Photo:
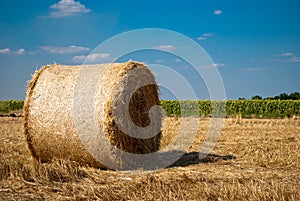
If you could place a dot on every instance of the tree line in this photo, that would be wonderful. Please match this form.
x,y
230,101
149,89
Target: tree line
x,y
282,96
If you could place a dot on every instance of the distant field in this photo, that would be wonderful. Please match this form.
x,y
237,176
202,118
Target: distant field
x,y
206,108
10,105
255,159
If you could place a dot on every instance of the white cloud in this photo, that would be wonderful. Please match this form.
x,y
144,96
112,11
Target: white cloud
x,y
66,8
252,69
97,57
5,51
287,57
79,58
166,47
20,51
294,60
177,60
159,61
287,54
201,38
214,65
204,36
65,50
9,51
207,34
217,65
218,12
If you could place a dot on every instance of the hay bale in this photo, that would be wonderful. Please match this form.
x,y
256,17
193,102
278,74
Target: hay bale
x,y
53,119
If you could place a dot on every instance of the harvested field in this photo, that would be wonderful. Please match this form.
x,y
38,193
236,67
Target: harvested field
x,y
255,159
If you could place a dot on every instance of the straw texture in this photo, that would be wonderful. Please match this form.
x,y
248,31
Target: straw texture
x,y
50,112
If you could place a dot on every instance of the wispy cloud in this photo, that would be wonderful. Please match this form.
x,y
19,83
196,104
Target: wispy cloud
x,y
66,8
201,38
287,57
166,47
207,34
204,36
252,69
177,60
65,50
97,57
5,51
217,65
218,12
214,65
294,60
20,51
79,58
9,51
286,54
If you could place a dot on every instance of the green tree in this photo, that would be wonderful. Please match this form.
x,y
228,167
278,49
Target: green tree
x,y
282,96
256,97
294,96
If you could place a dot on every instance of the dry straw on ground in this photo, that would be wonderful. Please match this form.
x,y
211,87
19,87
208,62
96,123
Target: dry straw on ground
x,y
255,159
57,108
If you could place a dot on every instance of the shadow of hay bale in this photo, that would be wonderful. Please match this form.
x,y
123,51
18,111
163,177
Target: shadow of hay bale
x,y
176,158
193,158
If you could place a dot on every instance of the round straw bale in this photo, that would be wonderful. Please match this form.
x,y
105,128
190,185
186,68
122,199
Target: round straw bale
x,y
59,113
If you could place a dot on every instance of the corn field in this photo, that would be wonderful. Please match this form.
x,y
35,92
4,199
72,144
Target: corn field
x,y
230,108
206,108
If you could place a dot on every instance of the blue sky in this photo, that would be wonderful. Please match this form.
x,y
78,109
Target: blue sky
x,y
254,44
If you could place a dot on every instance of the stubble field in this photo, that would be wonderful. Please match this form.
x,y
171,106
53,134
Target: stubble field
x,y
254,159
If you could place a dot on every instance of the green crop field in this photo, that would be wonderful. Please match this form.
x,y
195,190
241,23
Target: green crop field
x,y
206,108
231,108
10,105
